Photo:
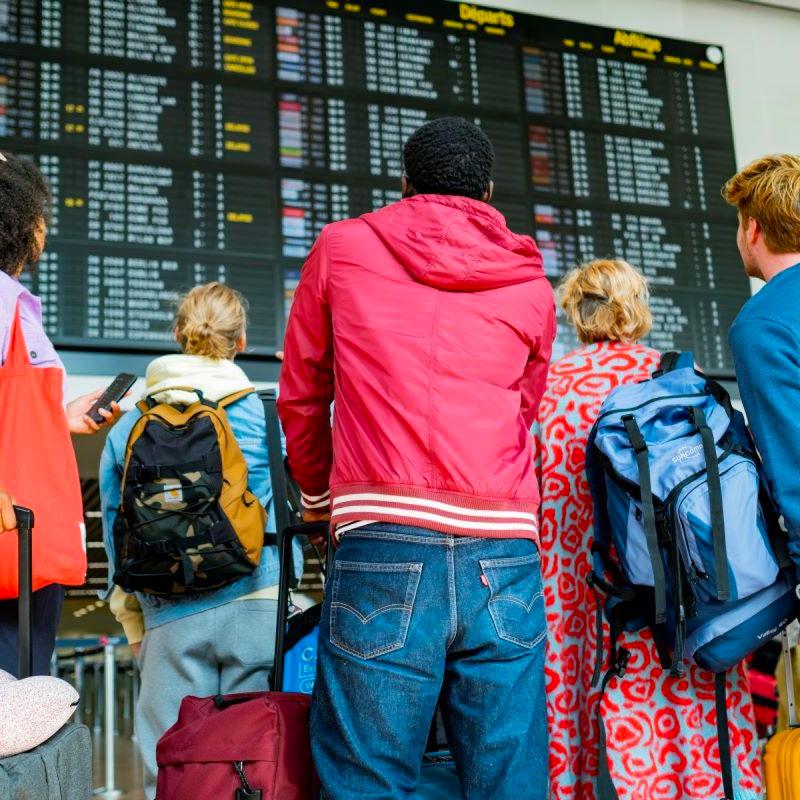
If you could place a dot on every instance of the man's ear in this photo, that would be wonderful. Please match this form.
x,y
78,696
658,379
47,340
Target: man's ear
x,y
753,230
241,345
406,187
487,198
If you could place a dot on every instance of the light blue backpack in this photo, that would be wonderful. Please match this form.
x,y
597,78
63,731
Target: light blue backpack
x,y
687,542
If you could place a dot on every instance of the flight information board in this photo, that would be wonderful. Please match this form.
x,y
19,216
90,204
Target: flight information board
x,y
196,140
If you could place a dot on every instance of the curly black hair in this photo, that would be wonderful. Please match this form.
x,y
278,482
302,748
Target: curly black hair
x,y
24,204
449,156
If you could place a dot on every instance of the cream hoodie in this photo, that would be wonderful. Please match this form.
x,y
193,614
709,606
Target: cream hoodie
x,y
214,377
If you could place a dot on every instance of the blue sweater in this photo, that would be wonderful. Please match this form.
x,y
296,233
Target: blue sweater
x,y
765,339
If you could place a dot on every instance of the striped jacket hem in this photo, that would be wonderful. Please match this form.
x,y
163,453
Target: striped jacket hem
x,y
446,512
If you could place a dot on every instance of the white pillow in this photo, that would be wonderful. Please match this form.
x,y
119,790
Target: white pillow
x,y
32,710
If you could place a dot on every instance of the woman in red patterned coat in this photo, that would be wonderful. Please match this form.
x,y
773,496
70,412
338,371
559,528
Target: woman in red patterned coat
x,y
662,742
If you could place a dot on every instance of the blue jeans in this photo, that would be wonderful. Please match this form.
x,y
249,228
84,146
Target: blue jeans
x,y
411,614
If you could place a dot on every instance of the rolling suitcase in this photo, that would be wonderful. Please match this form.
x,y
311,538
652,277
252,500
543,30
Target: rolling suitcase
x,y
61,767
782,754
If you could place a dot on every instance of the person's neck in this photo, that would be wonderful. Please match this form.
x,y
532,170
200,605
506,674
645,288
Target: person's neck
x,y
777,263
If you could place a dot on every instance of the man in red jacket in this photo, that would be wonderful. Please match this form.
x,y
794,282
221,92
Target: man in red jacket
x,y
431,325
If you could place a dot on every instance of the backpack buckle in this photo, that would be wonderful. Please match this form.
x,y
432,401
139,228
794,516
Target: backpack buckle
x,y
620,665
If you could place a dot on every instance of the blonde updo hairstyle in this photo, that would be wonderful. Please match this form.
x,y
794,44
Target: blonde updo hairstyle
x,y
607,300
211,321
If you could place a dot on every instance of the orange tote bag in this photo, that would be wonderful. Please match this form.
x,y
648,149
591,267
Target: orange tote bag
x,y
38,468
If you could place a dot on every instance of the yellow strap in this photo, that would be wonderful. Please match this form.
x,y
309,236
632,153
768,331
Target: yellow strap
x,y
230,399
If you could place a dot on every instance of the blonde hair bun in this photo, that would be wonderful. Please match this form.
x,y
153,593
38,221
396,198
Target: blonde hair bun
x,y
211,321
607,300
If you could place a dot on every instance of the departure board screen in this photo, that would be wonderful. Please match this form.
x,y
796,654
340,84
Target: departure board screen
x,y
196,140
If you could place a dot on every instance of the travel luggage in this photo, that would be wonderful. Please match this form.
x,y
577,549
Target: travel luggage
x,y
687,540
61,766
782,754
187,520
252,745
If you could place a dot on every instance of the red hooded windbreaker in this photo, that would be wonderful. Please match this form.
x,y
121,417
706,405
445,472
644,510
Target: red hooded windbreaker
x,y
431,325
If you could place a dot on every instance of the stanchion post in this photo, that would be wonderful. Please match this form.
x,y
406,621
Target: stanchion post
x,y
98,698
135,696
79,687
127,693
110,790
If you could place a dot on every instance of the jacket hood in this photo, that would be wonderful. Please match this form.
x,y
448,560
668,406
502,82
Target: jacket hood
x,y
215,378
455,243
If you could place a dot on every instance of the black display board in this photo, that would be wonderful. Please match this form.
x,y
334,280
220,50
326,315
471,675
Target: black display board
x,y
191,140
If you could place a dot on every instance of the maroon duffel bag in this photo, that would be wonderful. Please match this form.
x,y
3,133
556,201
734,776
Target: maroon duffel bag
x,y
233,746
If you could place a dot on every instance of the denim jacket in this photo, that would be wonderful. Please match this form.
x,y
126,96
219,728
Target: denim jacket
x,y
246,418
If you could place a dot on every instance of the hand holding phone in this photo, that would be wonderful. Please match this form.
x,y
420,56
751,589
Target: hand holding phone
x,y
118,388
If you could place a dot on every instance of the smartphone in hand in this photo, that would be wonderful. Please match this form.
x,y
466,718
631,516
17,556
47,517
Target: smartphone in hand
x,y
118,388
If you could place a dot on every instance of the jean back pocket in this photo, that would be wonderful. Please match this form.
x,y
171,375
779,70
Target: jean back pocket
x,y
371,606
516,603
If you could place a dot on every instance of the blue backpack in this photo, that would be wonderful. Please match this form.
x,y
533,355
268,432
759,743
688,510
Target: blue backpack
x,y
687,542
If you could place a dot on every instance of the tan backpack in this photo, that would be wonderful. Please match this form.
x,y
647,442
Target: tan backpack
x,y
187,520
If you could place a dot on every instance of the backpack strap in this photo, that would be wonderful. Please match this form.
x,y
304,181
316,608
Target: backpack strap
x,y
602,563
651,534
230,399
674,360
619,664
616,589
698,418
723,736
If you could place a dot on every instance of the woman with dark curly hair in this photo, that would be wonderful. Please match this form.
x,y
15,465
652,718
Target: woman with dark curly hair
x,y
24,213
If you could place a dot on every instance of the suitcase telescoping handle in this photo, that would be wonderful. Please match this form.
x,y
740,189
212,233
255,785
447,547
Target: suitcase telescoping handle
x,y
25,545
288,529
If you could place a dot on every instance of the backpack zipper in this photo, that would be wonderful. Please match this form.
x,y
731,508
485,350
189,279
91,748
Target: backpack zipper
x,y
246,792
650,402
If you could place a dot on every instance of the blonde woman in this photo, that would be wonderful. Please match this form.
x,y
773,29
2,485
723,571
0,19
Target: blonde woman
x,y
220,641
662,740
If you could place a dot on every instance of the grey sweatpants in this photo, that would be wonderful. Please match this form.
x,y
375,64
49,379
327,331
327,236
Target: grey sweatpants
x,y
223,650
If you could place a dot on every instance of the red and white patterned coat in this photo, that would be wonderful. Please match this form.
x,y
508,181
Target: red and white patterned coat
x,y
662,740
